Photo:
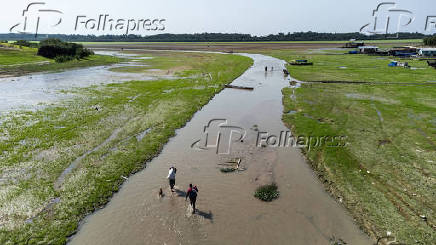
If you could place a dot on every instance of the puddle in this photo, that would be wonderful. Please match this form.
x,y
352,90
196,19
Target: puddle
x,y
291,112
226,206
343,67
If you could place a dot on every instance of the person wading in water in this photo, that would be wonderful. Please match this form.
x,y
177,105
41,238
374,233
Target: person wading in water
x,y
172,177
192,194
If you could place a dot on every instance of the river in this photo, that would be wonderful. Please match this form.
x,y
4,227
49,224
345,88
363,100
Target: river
x,y
228,213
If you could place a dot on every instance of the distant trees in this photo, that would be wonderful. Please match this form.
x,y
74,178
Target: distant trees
x,y
53,48
24,43
216,37
430,41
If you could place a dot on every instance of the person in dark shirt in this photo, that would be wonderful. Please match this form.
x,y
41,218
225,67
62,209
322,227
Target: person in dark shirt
x,y
192,194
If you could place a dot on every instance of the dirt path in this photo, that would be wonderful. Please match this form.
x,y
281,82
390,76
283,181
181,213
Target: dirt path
x,y
227,211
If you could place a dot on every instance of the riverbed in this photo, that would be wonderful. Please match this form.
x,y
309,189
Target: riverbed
x,y
228,213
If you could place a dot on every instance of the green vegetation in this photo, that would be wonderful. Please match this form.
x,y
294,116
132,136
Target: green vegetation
x,y
113,130
430,41
16,61
62,51
24,43
167,63
205,43
219,37
12,55
386,174
267,193
334,65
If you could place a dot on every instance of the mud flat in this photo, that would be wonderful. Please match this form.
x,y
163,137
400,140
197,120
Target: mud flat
x,y
228,213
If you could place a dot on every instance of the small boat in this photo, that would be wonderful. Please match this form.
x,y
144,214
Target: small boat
x,y
300,63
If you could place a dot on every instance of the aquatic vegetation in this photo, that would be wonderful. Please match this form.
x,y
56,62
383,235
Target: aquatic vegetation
x,y
267,193
108,132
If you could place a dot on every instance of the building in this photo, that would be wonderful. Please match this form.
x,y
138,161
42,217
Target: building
x,y
428,52
405,51
368,49
353,44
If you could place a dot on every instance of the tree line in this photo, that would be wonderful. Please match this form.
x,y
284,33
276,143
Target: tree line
x,y
430,41
211,37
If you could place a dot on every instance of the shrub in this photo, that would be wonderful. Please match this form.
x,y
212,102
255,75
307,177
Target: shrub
x,y
267,193
63,58
53,48
24,43
430,41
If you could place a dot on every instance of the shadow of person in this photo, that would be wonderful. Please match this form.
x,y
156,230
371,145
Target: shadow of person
x,y
180,193
205,215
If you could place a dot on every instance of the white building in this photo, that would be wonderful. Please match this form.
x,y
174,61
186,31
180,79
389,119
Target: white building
x,y
368,49
427,52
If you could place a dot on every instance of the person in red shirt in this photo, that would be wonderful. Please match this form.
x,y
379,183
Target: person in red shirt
x,y
192,194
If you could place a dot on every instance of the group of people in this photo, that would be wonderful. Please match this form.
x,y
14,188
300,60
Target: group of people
x,y
192,191
266,68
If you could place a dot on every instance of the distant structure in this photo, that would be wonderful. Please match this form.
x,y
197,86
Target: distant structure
x,y
354,44
368,49
427,52
404,51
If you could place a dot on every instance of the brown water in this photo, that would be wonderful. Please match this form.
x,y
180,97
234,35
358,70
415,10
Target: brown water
x,y
227,211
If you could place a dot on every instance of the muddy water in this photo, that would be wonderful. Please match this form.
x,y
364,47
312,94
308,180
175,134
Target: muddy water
x,y
227,211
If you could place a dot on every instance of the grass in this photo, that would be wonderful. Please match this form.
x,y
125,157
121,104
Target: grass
x,y
16,56
386,174
15,62
169,63
267,193
38,146
329,66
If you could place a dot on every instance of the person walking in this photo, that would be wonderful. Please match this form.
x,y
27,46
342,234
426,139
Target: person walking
x,y
172,177
192,194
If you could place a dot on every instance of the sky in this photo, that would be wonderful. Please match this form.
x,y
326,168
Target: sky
x,y
256,17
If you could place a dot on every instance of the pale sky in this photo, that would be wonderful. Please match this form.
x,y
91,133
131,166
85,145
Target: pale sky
x,y
258,17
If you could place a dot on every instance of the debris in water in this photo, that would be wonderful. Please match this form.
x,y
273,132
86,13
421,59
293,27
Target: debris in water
x,y
239,87
337,241
233,165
